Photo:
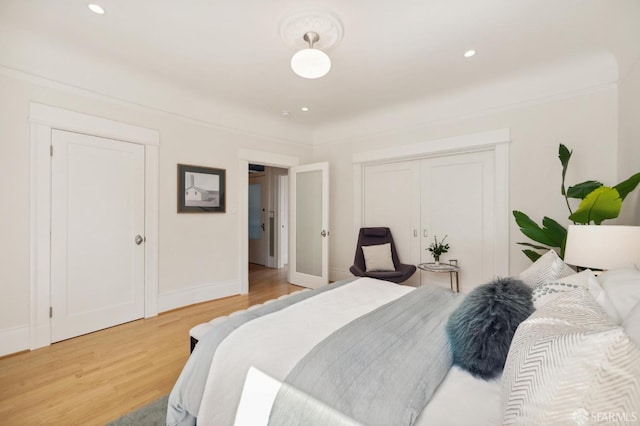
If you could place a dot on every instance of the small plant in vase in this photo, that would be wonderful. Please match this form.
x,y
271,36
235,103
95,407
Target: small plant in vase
x,y
438,248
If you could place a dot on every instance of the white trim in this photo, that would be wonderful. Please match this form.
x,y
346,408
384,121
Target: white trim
x,y
203,293
358,198
496,141
268,158
152,230
43,119
246,156
502,215
464,143
14,339
91,125
179,115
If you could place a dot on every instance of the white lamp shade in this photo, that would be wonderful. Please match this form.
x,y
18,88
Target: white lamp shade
x,y
602,246
310,63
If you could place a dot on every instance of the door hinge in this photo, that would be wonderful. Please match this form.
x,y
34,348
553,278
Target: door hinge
x,y
51,150
50,311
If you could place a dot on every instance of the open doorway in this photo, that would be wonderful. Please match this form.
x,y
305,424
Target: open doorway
x,y
268,217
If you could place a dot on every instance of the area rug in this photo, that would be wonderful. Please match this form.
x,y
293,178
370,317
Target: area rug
x,y
152,414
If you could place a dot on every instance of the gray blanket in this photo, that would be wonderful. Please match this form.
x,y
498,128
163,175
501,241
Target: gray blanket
x,y
186,395
380,369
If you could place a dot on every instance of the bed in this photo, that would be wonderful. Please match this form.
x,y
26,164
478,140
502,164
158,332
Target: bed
x,y
365,351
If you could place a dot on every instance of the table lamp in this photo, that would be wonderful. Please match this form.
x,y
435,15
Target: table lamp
x,y
602,246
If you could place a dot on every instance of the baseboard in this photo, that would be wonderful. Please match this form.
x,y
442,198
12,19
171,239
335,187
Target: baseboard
x,y
203,293
339,274
15,339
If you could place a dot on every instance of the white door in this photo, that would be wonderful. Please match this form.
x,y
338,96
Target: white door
x,y
257,219
97,233
451,195
309,225
392,199
283,220
458,201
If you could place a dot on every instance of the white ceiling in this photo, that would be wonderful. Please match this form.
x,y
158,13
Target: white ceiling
x,y
391,52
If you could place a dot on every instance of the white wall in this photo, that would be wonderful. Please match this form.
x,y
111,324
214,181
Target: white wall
x,y
585,122
575,103
196,251
629,147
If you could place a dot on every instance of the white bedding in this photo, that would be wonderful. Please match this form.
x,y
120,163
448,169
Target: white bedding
x,y
291,333
460,400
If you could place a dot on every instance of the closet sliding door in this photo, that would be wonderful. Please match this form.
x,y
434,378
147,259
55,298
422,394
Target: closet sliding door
x,y
458,201
450,195
392,199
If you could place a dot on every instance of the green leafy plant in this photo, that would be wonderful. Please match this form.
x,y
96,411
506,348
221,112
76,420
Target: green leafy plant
x,y
598,203
438,248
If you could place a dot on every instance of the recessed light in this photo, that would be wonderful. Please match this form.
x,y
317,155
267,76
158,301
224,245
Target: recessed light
x,y
286,113
305,109
96,8
469,53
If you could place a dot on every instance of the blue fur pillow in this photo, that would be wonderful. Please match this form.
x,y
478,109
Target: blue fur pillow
x,y
481,328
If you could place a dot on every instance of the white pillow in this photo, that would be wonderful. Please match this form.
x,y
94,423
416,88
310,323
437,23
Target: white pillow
x,y
622,286
567,362
549,267
632,324
378,257
546,292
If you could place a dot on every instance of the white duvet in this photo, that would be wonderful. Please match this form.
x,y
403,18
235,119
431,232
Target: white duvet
x,y
276,342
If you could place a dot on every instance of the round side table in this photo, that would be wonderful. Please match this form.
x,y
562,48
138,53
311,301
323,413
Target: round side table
x,y
452,268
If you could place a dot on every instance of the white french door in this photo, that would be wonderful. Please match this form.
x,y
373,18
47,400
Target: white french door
x,y
97,233
257,219
309,225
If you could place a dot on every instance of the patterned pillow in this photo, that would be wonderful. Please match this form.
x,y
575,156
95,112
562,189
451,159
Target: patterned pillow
x,y
546,292
549,267
568,364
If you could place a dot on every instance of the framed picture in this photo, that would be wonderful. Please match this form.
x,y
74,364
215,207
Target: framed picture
x,y
201,189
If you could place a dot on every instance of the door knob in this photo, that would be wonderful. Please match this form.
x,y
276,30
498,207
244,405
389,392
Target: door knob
x,y
139,239
324,233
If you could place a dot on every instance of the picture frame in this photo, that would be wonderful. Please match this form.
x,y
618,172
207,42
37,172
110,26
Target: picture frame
x,y
201,189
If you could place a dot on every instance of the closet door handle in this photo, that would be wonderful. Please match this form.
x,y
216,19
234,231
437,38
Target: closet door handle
x,y
425,233
415,232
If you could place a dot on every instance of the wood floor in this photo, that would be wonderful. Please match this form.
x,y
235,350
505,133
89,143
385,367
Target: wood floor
x,y
96,378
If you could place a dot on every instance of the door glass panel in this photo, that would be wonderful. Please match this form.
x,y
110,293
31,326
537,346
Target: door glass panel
x,y
255,203
309,223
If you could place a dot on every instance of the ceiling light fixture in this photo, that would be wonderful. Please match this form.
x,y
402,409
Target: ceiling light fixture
x,y
305,109
469,53
320,31
311,63
96,8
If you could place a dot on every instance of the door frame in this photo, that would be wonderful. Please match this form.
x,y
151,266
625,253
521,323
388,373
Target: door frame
x,y
264,240
246,156
496,141
42,119
283,220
